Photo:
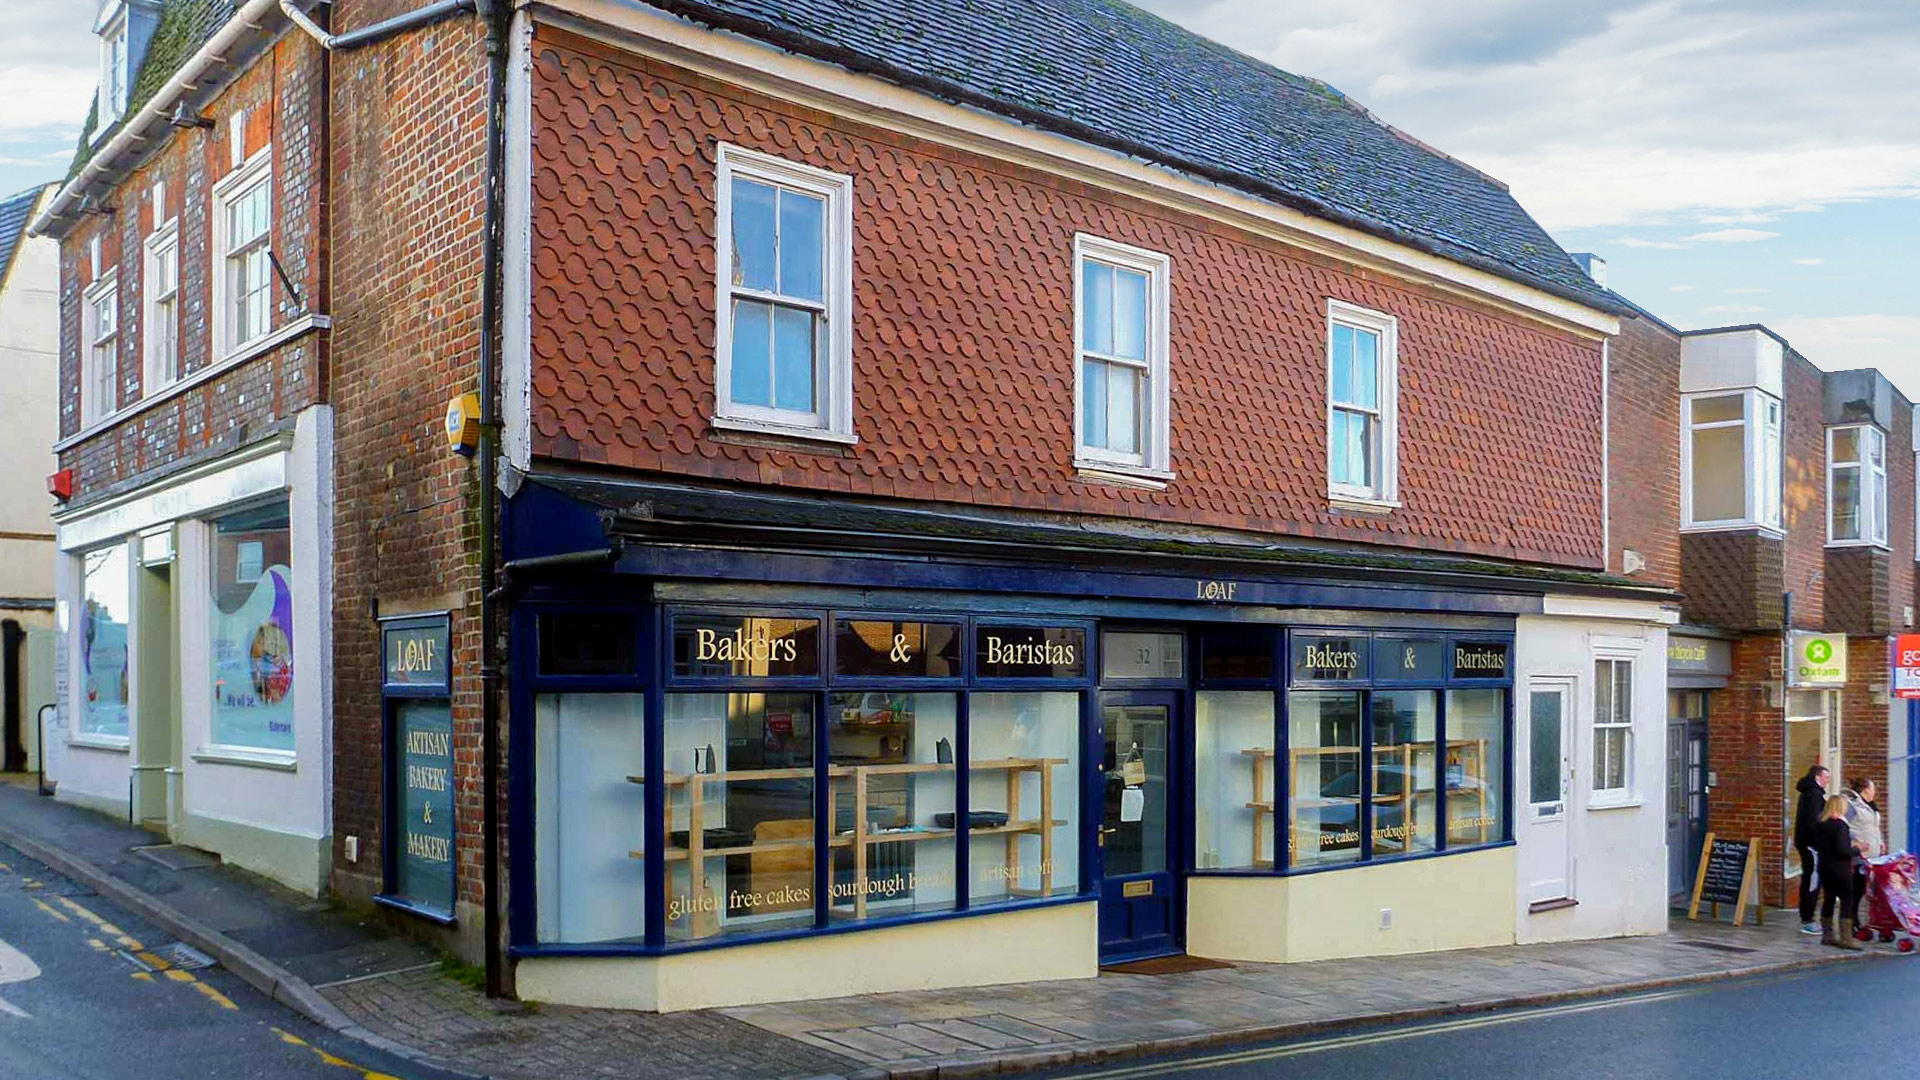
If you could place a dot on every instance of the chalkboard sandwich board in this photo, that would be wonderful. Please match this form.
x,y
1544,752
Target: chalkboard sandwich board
x,y
1729,874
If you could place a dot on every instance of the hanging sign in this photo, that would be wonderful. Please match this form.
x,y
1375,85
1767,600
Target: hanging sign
x,y
416,655
1906,666
1816,659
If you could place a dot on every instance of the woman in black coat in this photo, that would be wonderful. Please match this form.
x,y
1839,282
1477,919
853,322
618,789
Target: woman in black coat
x,y
1834,846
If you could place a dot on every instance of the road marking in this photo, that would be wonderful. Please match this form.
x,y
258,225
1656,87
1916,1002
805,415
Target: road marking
x,y
365,1073
1342,1042
43,906
215,996
143,976
15,967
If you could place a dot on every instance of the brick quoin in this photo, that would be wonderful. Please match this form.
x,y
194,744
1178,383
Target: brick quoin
x,y
408,152
963,365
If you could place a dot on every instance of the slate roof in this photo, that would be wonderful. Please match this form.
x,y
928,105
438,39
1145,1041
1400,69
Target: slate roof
x,y
1108,73
16,212
184,26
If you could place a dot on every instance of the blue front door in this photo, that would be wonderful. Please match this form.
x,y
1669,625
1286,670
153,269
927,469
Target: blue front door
x,y
1139,888
1913,775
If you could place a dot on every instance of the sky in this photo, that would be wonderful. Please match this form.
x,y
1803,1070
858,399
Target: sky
x,y
1733,161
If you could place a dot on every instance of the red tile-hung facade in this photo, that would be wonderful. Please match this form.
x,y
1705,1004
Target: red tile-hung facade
x,y
407,164
963,365
155,430
1643,450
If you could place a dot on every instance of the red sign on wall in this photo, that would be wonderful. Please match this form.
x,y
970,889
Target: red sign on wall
x,y
1906,666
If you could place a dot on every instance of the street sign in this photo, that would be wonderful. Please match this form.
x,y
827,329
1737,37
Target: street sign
x,y
1906,666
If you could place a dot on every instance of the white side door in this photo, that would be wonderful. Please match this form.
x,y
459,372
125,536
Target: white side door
x,y
1547,856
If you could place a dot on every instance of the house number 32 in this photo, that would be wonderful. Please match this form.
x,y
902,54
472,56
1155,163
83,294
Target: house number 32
x,y
1215,590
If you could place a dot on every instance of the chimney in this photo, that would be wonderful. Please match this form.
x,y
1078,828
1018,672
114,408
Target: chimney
x,y
1594,265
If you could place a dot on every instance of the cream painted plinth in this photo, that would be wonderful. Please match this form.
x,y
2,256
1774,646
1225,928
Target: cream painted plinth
x,y
1460,901
1057,942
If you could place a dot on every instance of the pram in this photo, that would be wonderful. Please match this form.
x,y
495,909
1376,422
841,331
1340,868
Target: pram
x,y
1893,900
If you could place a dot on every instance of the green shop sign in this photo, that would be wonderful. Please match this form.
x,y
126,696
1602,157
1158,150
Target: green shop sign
x,y
1816,659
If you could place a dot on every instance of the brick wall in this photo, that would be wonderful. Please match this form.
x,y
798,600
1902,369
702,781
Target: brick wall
x,y
1803,492
1859,590
282,94
1731,579
408,157
1746,752
1643,424
963,364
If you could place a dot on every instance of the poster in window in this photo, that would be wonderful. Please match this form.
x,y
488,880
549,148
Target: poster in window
x,y
253,676
103,652
423,862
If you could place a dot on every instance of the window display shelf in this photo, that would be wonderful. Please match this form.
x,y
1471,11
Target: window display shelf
x,y
1459,751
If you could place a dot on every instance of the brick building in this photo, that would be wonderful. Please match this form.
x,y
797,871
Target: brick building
x,y
194,450
1769,492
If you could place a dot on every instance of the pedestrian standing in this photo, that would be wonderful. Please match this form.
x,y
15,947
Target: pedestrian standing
x,y
1836,849
1813,798
1864,822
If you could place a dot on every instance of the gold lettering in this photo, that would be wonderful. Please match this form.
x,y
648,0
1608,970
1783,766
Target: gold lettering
x,y
431,848
738,647
1328,658
1215,590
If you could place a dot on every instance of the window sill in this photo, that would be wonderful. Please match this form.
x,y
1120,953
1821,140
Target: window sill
x,y
753,426
252,759
1618,802
1133,476
1878,545
1359,505
100,742
304,324
1769,531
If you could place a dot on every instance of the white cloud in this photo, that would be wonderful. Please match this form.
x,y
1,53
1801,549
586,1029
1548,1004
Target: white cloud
x,y
1733,236
1732,309
1737,219
1836,343
1637,242
1682,288
1808,262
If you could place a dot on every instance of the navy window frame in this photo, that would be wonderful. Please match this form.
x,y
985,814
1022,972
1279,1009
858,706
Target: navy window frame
x,y
1282,685
392,695
655,678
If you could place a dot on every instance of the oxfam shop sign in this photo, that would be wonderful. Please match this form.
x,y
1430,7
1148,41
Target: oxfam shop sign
x,y
1817,659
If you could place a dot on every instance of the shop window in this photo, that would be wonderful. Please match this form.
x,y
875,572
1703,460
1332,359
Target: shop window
x,y
1324,796
740,822
1404,802
1132,654
745,646
1023,777
1029,652
243,239
1612,727
588,815
100,375
785,256
1476,767
1233,821
1331,657
1121,306
891,797
588,643
1362,404
103,643
1730,460
251,631
1234,653
1856,486
1410,659
882,648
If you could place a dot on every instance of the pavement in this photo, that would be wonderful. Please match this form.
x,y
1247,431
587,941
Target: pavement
x,y
350,975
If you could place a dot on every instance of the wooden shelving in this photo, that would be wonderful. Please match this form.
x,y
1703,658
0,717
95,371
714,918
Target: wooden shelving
x,y
1407,798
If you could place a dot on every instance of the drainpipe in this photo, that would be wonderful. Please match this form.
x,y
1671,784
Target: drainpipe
x,y
366,35
495,15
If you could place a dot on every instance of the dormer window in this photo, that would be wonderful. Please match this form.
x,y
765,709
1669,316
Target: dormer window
x,y
114,75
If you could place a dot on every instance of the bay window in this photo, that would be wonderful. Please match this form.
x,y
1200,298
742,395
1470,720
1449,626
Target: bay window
x,y
1730,460
1856,486
785,305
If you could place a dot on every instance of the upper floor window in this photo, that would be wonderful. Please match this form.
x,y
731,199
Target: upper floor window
x,y
1362,404
99,365
243,243
1120,331
785,304
114,76
1730,460
161,336
1857,485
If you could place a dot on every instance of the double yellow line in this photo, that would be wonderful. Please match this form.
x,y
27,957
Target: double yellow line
x,y
153,962
1374,1038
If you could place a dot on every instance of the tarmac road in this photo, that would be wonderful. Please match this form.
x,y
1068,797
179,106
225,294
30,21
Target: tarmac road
x,y
1850,1020
86,992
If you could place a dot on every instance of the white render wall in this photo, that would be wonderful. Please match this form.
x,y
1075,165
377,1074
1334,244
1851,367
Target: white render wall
x,y
29,359
1619,852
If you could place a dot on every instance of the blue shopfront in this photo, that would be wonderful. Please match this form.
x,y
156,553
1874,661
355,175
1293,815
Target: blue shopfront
x,y
747,765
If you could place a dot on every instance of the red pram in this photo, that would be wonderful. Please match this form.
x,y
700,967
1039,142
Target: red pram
x,y
1893,900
